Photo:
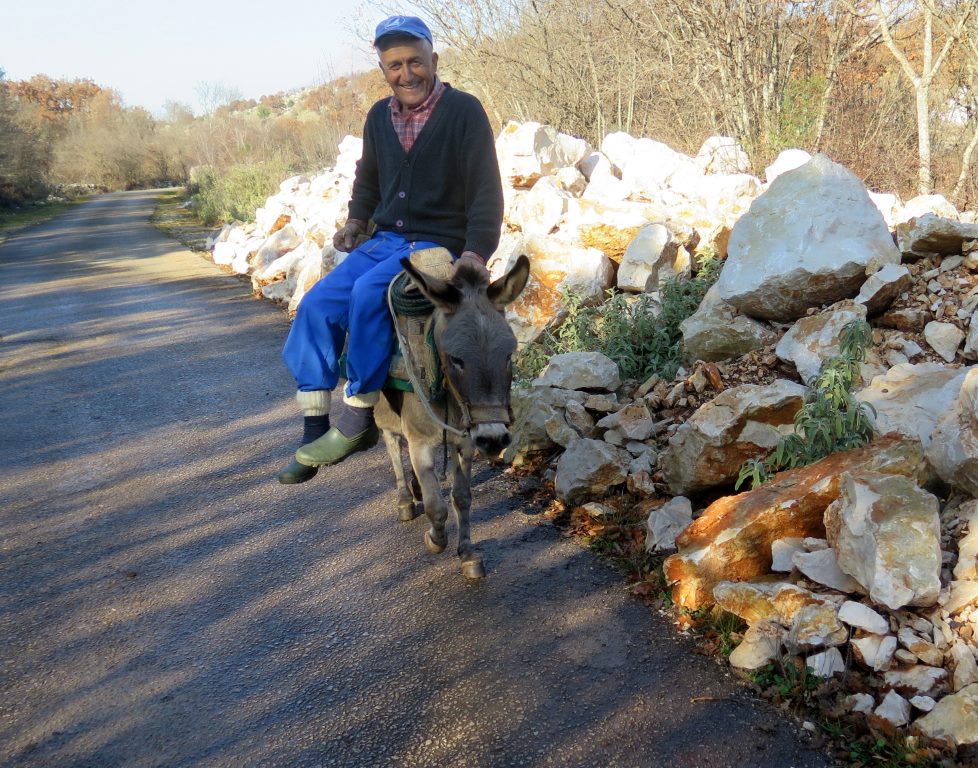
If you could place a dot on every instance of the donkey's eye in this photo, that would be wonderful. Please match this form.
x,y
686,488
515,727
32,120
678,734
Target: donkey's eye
x,y
457,362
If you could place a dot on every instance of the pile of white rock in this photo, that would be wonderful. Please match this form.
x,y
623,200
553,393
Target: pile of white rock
x,y
870,555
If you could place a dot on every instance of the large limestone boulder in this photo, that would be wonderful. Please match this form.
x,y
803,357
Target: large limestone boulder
x,y
741,423
808,241
814,339
732,539
283,241
889,205
527,151
651,165
910,398
953,449
886,534
589,468
722,154
651,259
726,198
930,234
916,207
787,160
555,265
580,370
716,331
607,224
540,210
954,719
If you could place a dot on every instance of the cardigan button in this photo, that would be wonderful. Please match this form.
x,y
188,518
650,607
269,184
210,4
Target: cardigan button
x,y
399,223
402,195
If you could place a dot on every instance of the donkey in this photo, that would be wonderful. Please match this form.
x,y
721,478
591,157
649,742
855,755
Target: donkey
x,y
475,346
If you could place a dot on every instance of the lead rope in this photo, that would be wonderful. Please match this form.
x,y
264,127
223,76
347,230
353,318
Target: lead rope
x,y
444,444
413,376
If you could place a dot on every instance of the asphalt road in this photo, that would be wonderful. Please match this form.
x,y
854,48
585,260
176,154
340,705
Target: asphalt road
x,y
165,602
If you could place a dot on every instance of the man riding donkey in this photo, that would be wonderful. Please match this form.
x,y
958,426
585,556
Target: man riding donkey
x,y
428,178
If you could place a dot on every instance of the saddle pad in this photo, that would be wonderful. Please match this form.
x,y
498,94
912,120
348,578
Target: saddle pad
x,y
416,331
436,262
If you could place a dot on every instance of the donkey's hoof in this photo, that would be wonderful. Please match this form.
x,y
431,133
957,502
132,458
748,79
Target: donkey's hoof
x,y
433,546
406,512
473,569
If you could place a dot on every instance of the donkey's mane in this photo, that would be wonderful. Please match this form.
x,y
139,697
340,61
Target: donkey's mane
x,y
468,277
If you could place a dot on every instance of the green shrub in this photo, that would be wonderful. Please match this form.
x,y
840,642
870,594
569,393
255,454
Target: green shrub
x,y
625,328
830,419
234,194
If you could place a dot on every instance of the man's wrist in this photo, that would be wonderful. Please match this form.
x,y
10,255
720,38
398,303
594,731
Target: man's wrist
x,y
473,255
359,223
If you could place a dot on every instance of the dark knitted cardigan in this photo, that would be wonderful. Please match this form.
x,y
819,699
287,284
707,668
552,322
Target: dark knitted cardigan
x,y
446,189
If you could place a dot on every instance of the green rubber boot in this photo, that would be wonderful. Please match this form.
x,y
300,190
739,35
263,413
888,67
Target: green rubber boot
x,y
296,473
334,446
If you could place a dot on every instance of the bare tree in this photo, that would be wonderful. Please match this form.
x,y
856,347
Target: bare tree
x,y
952,18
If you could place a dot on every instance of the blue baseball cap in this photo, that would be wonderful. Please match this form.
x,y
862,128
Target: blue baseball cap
x,y
403,25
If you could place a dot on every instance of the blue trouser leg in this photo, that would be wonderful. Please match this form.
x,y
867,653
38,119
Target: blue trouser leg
x,y
371,341
352,296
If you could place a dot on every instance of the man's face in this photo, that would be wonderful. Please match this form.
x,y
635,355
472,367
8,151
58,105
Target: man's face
x,y
410,71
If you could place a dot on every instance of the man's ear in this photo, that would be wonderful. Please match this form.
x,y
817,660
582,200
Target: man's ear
x,y
439,292
434,62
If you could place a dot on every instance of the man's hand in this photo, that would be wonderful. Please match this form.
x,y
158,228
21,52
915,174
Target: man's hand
x,y
346,238
475,261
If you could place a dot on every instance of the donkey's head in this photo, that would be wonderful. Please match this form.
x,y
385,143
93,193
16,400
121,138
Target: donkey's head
x,y
476,345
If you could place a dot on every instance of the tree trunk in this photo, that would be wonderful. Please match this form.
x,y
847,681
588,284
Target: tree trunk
x,y
923,137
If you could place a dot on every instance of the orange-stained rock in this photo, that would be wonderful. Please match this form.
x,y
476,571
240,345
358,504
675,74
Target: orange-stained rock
x,y
280,222
731,540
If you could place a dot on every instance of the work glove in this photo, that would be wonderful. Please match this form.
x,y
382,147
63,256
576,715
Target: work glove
x,y
350,235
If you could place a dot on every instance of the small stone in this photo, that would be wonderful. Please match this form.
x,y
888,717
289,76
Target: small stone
x,y
917,679
895,709
963,663
860,702
782,552
666,522
863,617
822,567
826,663
905,657
923,703
760,646
598,511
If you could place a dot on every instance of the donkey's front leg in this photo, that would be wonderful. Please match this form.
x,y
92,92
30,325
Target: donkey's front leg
x,y
405,497
422,460
472,567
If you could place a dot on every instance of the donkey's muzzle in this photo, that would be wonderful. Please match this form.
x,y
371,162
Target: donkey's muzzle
x,y
491,438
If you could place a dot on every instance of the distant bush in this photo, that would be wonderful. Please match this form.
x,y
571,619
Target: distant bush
x,y
235,193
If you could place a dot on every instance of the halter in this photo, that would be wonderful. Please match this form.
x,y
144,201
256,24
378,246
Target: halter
x,y
472,415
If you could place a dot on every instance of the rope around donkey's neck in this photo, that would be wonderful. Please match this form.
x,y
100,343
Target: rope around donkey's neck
x,y
412,373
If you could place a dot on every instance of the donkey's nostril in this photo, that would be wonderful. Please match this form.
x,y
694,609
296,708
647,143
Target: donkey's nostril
x,y
505,440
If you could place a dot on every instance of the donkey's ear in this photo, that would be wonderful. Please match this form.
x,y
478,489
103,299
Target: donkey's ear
x,y
509,286
439,292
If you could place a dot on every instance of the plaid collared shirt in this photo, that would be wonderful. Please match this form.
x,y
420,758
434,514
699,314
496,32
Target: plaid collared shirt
x,y
408,125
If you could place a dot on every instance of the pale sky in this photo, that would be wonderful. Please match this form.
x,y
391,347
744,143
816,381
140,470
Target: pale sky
x,y
152,52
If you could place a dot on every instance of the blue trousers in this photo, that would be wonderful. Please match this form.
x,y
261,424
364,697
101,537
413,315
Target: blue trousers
x,y
351,299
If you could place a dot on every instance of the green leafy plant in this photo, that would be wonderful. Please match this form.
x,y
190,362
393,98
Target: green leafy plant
x,y
640,333
830,419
